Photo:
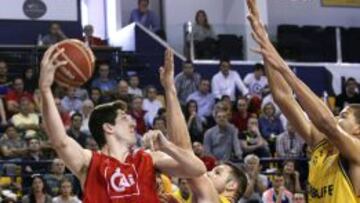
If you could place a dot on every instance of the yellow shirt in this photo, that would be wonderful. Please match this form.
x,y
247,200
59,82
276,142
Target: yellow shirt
x,y
223,199
328,179
179,198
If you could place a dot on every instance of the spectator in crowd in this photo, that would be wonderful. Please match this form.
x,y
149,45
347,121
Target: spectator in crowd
x,y
270,125
257,182
122,92
65,115
204,36
289,144
151,105
278,193
38,192
209,161
145,16
138,114
66,193
194,122
241,116
57,174
269,99
252,141
91,144
55,35
89,37
163,188
222,140
226,81
12,145
81,93
183,194
204,99
134,89
96,96
257,82
26,120
186,82
299,197
225,99
74,130
70,102
291,177
104,82
14,95
30,80
349,96
34,154
160,124
87,108
4,78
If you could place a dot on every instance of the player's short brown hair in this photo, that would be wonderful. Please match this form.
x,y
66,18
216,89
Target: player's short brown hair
x,y
355,108
239,176
105,113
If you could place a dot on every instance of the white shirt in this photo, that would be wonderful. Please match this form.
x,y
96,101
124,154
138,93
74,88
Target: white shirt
x,y
135,91
222,85
152,107
73,199
255,86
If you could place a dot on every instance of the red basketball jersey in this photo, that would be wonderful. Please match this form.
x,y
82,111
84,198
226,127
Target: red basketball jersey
x,y
108,180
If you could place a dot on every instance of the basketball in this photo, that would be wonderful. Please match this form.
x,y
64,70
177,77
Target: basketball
x,y
80,66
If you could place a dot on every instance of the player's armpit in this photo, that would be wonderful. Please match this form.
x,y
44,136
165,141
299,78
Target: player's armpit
x,y
203,190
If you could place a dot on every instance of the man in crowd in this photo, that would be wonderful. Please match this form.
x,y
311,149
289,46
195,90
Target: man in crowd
x,y
74,130
104,82
55,35
145,16
209,161
14,96
89,37
349,96
257,82
278,193
289,144
186,82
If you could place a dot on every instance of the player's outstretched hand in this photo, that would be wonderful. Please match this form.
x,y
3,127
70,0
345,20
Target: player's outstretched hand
x,y
167,70
49,64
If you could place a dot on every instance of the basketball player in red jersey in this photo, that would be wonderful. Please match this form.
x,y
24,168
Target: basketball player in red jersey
x,y
116,173
225,183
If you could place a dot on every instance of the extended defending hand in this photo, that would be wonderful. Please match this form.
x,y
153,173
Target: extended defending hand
x,y
167,70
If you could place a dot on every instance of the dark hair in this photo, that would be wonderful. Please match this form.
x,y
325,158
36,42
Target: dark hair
x,y
139,1
239,176
31,193
161,111
224,59
64,180
158,118
351,79
186,110
76,114
355,108
105,113
259,66
206,23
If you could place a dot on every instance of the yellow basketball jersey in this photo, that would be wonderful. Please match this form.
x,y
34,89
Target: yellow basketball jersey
x,y
223,199
328,180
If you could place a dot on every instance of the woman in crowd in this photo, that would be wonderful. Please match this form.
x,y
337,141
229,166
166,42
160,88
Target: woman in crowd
x,y
204,36
194,123
66,193
38,192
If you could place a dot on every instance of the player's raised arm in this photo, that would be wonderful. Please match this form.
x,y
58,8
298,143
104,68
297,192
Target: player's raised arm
x,y
74,156
280,90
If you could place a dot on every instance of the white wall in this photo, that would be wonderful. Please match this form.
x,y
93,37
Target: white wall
x,y
94,12
310,12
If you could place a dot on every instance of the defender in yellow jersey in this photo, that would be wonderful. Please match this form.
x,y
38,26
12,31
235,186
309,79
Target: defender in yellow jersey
x,y
335,163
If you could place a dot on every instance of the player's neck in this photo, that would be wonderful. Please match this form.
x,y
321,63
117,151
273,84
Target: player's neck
x,y
116,150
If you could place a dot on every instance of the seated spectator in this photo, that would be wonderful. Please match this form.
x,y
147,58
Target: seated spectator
x,y
12,145
299,197
186,82
26,120
91,144
257,82
138,114
241,116
30,80
96,96
222,141
209,161
104,82
89,37
269,99
57,174
257,182
270,125
160,124
65,115
66,193
151,105
5,81
350,96
87,108
291,177
226,81
70,102
289,144
204,36
13,96
34,154
81,93
183,194
55,35
122,92
193,120
74,130
38,192
252,141
145,16
134,89
278,193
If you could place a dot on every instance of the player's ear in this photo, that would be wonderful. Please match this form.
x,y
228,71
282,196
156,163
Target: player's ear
x,y
108,128
231,185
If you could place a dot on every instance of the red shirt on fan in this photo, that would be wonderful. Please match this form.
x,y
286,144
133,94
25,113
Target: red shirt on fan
x,y
110,181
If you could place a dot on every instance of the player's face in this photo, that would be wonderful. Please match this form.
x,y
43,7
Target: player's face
x,y
347,121
219,176
125,127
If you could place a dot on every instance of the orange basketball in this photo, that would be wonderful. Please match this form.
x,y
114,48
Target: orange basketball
x,y
80,66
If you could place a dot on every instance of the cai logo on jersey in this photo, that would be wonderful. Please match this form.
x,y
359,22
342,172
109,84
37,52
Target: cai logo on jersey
x,y
122,182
